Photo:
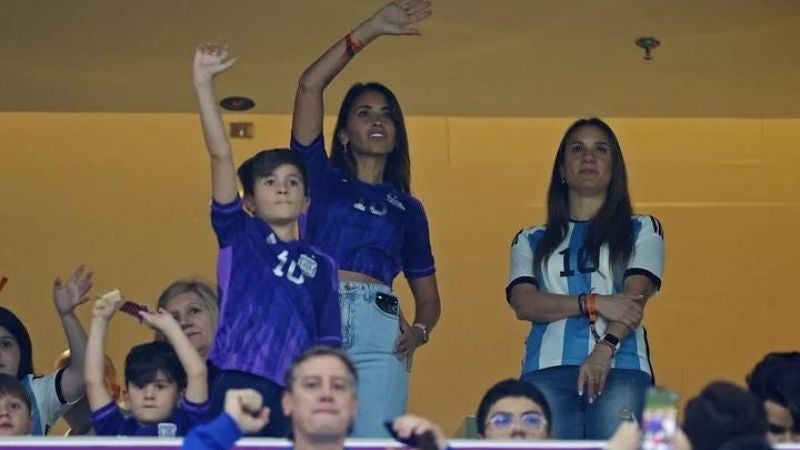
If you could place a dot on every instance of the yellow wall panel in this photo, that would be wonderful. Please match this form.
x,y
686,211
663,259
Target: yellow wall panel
x,y
128,195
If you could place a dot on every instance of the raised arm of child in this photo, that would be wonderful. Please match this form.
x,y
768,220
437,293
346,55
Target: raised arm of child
x,y
104,309
192,362
209,61
66,297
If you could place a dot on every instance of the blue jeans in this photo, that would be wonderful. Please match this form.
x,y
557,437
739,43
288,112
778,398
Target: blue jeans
x,y
573,416
369,335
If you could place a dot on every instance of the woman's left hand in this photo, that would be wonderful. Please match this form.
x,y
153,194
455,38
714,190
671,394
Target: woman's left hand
x,y
593,372
398,16
410,338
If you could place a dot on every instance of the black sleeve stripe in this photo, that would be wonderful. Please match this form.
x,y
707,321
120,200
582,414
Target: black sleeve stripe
x,y
653,278
516,238
60,394
520,280
657,226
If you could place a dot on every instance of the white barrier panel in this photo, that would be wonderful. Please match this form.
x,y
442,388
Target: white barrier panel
x,y
95,443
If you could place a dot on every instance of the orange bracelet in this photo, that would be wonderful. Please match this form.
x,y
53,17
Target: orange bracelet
x,y
591,306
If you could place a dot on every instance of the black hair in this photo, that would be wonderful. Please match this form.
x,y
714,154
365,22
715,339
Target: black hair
x,y
510,388
317,351
721,412
145,360
766,378
612,223
11,386
398,164
264,163
746,443
16,328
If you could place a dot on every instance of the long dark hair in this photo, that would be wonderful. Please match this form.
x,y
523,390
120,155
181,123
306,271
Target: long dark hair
x,y
612,223
398,164
16,328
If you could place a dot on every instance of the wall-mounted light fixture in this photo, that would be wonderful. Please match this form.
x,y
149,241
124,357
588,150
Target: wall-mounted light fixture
x,y
648,43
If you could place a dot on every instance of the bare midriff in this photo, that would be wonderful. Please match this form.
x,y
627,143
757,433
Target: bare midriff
x,y
346,275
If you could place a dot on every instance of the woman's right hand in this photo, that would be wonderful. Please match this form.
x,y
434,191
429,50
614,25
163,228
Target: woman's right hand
x,y
395,17
623,308
210,59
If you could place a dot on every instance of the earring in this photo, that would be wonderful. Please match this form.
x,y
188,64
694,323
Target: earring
x,y
346,149
563,180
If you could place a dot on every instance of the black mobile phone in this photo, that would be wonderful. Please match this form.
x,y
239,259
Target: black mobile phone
x,y
387,303
659,420
424,441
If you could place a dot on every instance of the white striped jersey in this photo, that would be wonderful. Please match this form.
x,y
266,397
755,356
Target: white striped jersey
x,y
568,342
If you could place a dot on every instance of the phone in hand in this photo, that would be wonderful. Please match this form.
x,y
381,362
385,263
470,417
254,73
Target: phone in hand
x,y
660,419
424,441
133,309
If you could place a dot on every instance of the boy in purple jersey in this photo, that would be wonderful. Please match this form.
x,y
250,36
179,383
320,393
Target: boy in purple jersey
x,y
156,374
278,295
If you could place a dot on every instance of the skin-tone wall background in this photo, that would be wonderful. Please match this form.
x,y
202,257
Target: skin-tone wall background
x,y
127,194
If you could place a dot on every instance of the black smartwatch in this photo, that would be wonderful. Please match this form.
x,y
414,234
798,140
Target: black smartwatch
x,y
611,339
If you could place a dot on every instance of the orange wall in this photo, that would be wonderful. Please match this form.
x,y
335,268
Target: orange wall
x,y
128,195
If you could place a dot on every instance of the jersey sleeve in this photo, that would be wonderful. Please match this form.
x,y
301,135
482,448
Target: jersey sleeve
x,y
521,264
219,434
648,251
416,253
108,420
316,161
229,221
49,399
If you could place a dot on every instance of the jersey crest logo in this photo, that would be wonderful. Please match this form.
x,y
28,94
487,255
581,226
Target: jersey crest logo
x,y
271,239
307,265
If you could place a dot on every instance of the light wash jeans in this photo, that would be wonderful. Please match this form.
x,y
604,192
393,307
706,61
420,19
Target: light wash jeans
x,y
574,418
369,335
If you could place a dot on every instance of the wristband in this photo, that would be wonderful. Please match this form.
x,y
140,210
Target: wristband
x,y
582,303
424,330
352,46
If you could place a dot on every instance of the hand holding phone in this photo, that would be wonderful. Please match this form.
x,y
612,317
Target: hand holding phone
x,y
659,420
422,441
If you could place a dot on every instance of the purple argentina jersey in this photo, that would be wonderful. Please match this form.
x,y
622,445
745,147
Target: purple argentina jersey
x,y
276,298
109,421
372,229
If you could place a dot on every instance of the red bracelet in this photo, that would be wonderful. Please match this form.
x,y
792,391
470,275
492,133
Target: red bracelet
x,y
352,46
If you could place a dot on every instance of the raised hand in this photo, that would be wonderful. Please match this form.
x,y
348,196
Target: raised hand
x,y
160,320
107,304
246,408
67,296
397,16
211,59
426,434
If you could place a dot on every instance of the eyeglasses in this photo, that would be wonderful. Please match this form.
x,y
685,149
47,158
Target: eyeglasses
x,y
530,419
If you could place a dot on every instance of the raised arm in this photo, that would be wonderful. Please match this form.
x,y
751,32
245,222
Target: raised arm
x,y
192,362
66,297
209,61
94,369
395,18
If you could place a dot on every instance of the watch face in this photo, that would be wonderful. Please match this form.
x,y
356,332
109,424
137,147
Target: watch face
x,y
611,339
